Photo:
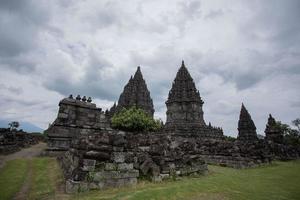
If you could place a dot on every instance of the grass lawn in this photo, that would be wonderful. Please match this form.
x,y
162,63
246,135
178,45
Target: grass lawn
x,y
12,177
46,174
280,180
44,178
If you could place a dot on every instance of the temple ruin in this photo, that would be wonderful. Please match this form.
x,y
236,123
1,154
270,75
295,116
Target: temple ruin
x,y
272,131
95,156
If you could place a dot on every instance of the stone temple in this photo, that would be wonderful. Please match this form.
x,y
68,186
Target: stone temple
x,y
135,93
184,107
246,126
95,156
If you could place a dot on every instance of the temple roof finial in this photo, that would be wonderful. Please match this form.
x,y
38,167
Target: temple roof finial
x,y
138,73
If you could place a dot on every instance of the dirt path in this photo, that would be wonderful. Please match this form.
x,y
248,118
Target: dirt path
x,y
22,194
29,152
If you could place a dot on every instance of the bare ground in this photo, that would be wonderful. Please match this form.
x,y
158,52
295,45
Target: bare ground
x,y
29,152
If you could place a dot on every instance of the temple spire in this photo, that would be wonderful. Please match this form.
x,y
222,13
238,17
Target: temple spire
x,y
183,87
138,74
184,104
136,93
246,126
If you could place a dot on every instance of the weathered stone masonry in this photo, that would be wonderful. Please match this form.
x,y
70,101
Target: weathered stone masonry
x,y
96,156
75,116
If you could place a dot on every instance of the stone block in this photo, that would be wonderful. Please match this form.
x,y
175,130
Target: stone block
x,y
131,181
111,166
118,148
118,140
97,155
105,175
164,176
101,147
118,157
88,165
156,178
125,166
145,148
62,115
91,115
195,169
72,186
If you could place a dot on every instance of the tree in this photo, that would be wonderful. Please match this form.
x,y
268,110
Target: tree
x,y
296,123
134,119
13,125
291,136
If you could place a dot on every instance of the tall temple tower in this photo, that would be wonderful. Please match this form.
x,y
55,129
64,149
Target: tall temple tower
x,y
246,126
184,104
135,93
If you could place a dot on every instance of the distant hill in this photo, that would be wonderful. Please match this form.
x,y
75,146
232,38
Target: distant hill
x,y
26,126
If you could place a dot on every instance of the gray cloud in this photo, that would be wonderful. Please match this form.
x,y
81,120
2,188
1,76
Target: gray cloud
x,y
12,89
214,14
275,22
20,24
98,80
20,101
236,52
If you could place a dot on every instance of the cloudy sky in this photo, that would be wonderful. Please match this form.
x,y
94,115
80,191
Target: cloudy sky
x,y
236,51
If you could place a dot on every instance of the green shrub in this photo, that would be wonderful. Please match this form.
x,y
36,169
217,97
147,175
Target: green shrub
x,y
134,119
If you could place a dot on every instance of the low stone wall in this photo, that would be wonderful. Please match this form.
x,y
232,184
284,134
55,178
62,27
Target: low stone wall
x,y
116,158
93,174
283,151
229,161
13,140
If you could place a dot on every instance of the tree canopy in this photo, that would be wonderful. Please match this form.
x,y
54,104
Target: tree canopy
x,y
134,119
13,125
